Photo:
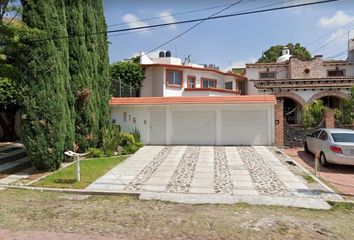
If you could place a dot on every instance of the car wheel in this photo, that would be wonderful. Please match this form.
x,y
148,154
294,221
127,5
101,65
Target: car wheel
x,y
323,160
306,148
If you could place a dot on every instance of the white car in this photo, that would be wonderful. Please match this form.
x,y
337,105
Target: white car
x,y
333,145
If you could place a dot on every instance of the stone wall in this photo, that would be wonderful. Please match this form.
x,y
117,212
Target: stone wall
x,y
294,136
297,68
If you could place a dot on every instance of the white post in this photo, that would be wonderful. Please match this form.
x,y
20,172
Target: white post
x,y
317,172
78,167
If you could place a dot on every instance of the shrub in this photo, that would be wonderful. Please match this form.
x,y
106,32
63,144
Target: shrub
x,y
139,144
111,137
127,139
313,114
130,149
136,134
95,153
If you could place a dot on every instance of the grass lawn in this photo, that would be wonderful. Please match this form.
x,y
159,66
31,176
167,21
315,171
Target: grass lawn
x,y
127,217
90,171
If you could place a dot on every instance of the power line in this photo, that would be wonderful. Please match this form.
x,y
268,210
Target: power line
x,y
325,35
176,14
220,16
194,26
249,9
175,23
330,41
337,54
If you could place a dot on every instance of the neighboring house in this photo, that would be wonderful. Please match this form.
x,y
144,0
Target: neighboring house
x,y
167,76
299,82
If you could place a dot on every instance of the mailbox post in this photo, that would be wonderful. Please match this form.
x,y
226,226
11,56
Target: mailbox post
x,y
76,157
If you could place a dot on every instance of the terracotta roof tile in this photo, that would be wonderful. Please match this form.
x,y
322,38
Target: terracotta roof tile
x,y
249,99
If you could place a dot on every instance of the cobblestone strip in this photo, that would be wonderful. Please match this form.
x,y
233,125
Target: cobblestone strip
x,y
182,177
148,170
222,177
265,179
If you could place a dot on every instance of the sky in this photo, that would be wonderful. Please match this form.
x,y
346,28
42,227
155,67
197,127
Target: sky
x,y
228,42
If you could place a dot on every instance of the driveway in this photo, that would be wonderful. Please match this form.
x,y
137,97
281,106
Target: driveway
x,y
207,174
339,176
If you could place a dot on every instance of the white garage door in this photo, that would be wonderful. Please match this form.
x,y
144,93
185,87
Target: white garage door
x,y
244,127
193,127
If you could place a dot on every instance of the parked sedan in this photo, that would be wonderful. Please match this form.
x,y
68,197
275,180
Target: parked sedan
x,y
333,145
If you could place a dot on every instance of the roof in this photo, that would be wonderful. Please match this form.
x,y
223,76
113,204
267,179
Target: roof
x,y
338,130
248,99
194,68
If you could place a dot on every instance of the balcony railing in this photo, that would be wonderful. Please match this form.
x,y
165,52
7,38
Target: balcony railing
x,y
212,89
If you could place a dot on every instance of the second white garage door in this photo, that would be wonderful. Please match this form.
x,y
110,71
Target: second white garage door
x,y
244,127
193,127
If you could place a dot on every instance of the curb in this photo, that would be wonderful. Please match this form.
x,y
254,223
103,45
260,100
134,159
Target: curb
x,y
338,196
67,190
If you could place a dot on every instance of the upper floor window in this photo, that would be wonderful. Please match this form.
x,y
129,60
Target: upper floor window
x,y
229,85
267,75
191,82
336,73
208,83
174,78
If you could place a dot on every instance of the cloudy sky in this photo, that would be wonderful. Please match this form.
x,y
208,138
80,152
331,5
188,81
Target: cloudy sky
x,y
229,42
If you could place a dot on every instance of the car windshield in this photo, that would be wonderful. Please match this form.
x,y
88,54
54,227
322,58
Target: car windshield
x,y
343,137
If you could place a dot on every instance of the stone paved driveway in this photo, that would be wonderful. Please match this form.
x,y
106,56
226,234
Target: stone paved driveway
x,y
207,174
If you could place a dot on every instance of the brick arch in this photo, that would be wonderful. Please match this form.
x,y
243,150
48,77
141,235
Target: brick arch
x,y
326,93
297,98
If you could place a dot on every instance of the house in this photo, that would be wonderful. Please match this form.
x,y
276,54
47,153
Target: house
x,y
167,76
299,82
185,103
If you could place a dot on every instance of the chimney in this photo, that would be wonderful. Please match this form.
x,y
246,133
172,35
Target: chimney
x,y
286,51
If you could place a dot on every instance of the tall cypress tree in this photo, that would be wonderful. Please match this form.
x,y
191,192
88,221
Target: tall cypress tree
x,y
86,120
103,80
65,80
88,69
46,118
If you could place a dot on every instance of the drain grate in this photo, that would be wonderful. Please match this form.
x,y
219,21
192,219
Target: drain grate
x,y
290,163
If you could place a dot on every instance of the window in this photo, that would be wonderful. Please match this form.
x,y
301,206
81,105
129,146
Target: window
x,y
315,134
267,75
229,85
343,137
174,78
208,83
191,82
323,136
336,73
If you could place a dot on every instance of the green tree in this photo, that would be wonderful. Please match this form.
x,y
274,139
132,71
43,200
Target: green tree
x,y
89,70
9,28
129,72
346,115
313,114
46,124
274,52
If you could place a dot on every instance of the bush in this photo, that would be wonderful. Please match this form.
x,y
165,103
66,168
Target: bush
x,y
136,134
95,153
313,114
130,149
139,144
126,139
111,137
